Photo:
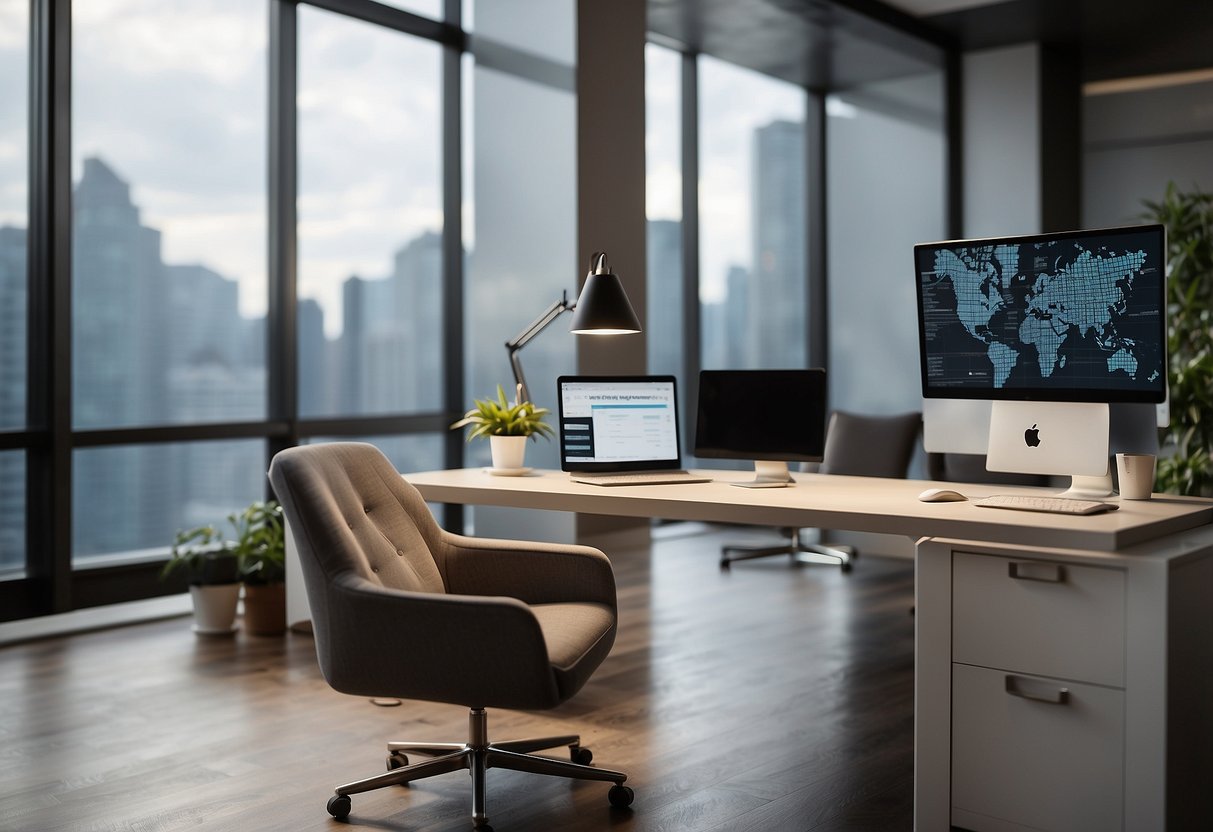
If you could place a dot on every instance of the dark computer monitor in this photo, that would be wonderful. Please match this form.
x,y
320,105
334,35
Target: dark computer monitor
x,y
1076,316
1052,328
769,416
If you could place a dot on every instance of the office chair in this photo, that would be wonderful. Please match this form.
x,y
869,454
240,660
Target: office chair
x,y
949,467
402,608
857,446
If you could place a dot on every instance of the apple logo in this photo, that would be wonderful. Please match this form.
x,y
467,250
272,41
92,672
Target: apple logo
x,y
1031,437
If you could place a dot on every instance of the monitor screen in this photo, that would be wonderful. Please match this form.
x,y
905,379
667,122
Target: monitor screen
x,y
1077,316
618,423
761,415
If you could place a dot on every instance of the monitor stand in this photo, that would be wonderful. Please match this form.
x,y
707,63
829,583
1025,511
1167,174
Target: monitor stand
x,y
1054,438
768,474
1089,488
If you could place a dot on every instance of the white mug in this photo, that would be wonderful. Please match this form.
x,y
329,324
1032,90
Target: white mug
x,y
1136,473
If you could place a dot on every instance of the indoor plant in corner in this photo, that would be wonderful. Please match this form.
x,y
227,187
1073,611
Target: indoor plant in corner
x,y
260,548
211,568
507,427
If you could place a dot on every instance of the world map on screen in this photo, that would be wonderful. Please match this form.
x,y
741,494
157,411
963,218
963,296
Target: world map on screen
x,y
1059,313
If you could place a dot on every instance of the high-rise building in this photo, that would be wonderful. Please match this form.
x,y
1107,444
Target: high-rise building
x,y
316,370
663,333
776,316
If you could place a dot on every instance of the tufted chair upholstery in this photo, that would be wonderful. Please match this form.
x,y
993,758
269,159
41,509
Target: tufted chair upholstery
x,y
403,608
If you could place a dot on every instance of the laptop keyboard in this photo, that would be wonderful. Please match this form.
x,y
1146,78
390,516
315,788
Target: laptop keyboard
x,y
640,478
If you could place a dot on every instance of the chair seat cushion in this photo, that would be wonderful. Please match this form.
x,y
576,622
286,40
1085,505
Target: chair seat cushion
x,y
578,638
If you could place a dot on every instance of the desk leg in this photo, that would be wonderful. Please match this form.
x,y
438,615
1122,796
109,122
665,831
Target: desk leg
x,y
932,686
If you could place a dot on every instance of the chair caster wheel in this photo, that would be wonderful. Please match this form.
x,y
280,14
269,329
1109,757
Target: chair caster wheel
x,y
621,796
396,759
724,566
580,755
339,806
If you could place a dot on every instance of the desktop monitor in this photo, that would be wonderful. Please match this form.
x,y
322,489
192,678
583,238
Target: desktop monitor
x,y
769,416
1051,328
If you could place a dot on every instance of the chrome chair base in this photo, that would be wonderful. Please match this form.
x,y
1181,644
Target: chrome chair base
x,y
478,755
800,552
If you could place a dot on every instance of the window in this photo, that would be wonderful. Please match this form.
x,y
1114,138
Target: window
x,y
14,142
752,214
663,204
169,280
891,131
370,219
523,181
135,497
12,514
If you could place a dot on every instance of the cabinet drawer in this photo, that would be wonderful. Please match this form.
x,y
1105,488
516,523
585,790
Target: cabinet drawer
x,y
1039,617
1035,762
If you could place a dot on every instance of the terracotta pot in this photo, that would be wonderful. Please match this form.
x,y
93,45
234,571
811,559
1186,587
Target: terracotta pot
x,y
265,609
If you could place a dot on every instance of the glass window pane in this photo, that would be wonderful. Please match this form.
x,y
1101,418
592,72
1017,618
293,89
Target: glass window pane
x,y
663,205
135,497
12,514
413,452
890,132
14,142
427,8
169,259
524,155
752,207
370,219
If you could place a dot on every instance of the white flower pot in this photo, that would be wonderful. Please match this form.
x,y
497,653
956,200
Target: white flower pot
x,y
509,452
215,608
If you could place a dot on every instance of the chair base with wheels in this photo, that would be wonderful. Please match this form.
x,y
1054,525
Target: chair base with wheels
x,y
478,755
799,550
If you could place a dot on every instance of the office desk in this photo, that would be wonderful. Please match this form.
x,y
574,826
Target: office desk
x,y
1012,609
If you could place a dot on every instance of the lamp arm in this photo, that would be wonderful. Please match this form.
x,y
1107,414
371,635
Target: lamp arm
x,y
515,344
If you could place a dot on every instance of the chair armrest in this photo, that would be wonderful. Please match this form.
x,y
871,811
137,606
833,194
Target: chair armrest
x,y
537,573
472,650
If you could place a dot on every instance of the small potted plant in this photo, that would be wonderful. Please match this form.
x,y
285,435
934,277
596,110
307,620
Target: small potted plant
x,y
211,568
260,550
507,427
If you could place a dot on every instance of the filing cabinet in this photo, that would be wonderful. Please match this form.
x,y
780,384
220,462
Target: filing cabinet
x,y
1037,693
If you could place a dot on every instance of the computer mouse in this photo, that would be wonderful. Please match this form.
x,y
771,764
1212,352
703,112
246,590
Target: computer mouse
x,y
941,495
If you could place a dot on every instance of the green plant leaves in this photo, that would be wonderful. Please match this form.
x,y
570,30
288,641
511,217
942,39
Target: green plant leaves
x,y
1185,466
498,417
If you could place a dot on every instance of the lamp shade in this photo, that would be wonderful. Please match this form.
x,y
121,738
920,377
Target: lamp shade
x,y
603,307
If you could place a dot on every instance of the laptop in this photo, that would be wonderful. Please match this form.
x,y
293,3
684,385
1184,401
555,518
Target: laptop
x,y
620,430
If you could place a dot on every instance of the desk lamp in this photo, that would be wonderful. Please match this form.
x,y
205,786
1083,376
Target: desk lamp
x,y
601,309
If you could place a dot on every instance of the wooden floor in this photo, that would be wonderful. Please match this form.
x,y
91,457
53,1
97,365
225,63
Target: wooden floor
x,y
765,698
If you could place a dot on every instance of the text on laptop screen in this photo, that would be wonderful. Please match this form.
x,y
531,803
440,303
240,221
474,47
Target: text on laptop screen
x,y
618,421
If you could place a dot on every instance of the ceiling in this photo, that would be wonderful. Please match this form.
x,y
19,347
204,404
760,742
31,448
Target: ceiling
x,y
837,44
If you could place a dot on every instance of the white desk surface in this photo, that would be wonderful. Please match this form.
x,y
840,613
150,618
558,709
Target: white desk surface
x,y
866,504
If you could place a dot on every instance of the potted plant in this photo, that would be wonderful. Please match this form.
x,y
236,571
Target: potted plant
x,y
211,568
507,427
1185,465
260,550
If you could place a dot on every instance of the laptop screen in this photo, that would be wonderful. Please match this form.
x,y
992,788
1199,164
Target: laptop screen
x,y
618,423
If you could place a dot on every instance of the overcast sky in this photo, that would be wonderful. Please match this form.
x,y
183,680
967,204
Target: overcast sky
x,y
172,95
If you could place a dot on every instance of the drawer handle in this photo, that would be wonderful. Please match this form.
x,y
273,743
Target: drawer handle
x,y
1053,573
1037,691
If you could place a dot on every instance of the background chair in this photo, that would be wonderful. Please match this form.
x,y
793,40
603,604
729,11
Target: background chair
x,y
972,468
402,608
858,446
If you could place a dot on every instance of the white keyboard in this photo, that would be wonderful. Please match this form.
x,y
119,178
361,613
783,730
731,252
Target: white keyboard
x,y
1053,505
641,478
